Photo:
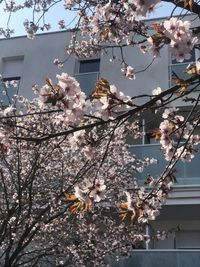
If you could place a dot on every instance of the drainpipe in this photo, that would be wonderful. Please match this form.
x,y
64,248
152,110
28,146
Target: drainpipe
x,y
143,132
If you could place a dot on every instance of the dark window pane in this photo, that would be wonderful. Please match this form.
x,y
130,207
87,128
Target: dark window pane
x,y
11,79
87,82
87,66
179,70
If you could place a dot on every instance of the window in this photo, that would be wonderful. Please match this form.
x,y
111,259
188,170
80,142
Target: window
x,y
87,73
88,66
12,70
12,66
177,68
8,88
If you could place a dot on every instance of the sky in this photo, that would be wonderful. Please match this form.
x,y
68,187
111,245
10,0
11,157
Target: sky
x,y
58,12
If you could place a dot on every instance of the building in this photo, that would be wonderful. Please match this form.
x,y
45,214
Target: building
x,y
26,61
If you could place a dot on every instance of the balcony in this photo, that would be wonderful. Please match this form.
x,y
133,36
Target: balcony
x,y
187,173
158,258
87,81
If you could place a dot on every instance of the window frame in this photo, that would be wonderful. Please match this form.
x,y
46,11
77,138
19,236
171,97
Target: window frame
x,y
78,62
88,61
9,98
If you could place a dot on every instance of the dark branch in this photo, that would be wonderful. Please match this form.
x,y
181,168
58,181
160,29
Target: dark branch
x,y
195,8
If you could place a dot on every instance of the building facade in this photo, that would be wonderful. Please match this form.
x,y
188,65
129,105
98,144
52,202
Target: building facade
x,y
31,61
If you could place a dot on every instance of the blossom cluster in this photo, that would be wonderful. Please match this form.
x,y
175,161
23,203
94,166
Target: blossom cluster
x,y
172,130
69,187
109,105
82,175
129,72
181,38
177,34
66,94
141,208
65,162
109,21
87,194
106,103
4,142
120,22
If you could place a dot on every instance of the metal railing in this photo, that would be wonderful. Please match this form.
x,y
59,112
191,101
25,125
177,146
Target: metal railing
x,y
159,258
187,173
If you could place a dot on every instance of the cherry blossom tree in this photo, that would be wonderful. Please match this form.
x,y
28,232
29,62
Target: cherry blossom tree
x,y
69,189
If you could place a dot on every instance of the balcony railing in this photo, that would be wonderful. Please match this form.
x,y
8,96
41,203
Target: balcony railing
x,y
160,258
187,173
87,81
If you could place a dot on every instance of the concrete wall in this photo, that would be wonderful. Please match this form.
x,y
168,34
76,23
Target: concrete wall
x,y
39,55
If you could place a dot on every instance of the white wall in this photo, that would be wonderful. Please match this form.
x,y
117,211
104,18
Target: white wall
x,y
40,53
38,57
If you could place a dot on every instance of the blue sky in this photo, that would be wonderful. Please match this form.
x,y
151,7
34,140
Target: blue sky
x,y
58,12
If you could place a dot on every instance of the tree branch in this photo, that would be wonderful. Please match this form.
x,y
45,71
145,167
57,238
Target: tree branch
x,y
195,8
